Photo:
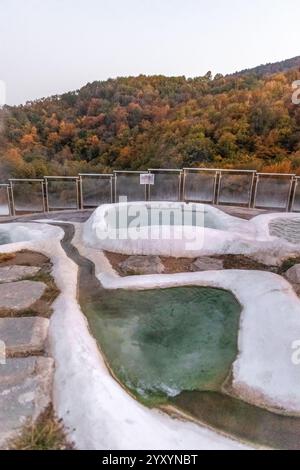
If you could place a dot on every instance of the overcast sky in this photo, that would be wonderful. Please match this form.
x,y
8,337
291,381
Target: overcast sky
x,y
52,46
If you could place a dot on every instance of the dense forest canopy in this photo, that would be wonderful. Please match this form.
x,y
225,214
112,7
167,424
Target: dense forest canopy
x,y
272,68
244,121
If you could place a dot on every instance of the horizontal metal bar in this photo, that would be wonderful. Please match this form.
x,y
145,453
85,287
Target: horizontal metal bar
x,y
250,172
26,180
61,177
277,174
135,172
164,170
108,175
201,169
221,170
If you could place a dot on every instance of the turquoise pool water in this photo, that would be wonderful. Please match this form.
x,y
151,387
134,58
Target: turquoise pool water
x,y
161,342
4,238
143,215
214,408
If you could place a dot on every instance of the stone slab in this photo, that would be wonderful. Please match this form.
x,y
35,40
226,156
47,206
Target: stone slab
x,y
142,265
25,393
25,335
16,370
20,295
207,264
293,274
15,273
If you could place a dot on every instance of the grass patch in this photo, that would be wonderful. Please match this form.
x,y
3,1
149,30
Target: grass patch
x,y
244,262
287,264
42,307
46,434
29,312
52,291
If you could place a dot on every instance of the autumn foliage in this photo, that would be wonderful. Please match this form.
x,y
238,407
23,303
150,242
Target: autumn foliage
x,y
242,121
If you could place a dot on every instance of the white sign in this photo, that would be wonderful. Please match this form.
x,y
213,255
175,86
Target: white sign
x,y
146,178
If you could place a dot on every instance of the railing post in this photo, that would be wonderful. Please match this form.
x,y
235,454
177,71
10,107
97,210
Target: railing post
x,y
13,209
294,193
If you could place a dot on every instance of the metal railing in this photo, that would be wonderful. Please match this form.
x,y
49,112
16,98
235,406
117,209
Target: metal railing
x,y
235,187
215,186
295,204
166,185
27,195
127,184
62,193
273,191
245,188
200,184
95,189
5,206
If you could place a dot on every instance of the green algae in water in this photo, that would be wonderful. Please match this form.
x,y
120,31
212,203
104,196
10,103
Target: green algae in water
x,y
218,411
241,420
161,342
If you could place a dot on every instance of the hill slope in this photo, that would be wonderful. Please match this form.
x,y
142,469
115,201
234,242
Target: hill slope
x,y
245,121
272,68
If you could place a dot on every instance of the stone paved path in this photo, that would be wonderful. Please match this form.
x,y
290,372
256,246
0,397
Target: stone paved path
x,y
26,374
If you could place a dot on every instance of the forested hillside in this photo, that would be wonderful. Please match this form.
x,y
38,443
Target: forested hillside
x,y
242,121
272,68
